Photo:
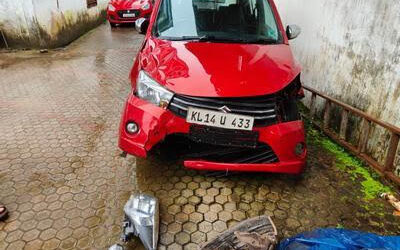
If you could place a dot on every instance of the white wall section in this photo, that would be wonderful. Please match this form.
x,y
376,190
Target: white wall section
x,y
47,23
351,50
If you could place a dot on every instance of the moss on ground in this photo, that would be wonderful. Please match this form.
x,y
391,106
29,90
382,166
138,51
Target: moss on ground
x,y
371,186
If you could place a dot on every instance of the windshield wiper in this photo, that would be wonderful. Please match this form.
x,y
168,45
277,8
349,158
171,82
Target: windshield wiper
x,y
181,38
221,39
262,41
205,38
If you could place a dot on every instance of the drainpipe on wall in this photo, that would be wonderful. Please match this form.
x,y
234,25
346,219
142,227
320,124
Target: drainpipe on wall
x,y
4,38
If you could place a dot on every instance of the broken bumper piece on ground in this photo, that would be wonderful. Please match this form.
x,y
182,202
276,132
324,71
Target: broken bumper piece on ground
x,y
255,233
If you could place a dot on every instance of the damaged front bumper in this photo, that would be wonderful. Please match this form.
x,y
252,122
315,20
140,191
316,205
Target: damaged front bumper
x,y
280,141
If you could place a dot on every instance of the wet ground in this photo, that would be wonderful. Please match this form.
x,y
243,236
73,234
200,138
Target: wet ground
x,y
64,182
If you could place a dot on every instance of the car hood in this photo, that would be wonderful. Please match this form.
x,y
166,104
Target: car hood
x,y
219,69
128,4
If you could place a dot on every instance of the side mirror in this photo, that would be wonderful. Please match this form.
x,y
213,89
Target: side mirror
x,y
141,25
293,31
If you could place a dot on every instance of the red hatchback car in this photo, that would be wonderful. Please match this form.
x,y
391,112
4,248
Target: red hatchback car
x,y
221,74
128,11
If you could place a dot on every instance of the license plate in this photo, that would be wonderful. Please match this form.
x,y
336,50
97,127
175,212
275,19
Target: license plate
x,y
128,15
219,119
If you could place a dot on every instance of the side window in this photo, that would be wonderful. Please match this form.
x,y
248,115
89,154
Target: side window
x,y
164,20
272,29
259,13
91,3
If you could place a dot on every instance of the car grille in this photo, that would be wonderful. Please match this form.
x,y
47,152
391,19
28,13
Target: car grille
x,y
122,12
263,109
262,154
224,137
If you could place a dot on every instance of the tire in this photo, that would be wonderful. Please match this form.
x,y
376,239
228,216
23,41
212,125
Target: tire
x,y
113,25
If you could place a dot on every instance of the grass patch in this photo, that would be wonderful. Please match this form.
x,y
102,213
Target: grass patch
x,y
371,187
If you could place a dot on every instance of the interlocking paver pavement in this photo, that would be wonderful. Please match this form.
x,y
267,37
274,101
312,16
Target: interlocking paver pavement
x,y
64,182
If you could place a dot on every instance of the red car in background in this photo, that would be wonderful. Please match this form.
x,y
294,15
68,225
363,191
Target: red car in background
x,y
220,74
128,11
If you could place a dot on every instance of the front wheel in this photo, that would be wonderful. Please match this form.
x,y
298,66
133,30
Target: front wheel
x,y
113,25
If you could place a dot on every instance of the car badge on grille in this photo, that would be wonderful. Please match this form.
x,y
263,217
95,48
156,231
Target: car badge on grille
x,y
225,109
129,11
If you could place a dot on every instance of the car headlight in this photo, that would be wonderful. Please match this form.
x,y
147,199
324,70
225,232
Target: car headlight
x,y
111,7
146,6
151,91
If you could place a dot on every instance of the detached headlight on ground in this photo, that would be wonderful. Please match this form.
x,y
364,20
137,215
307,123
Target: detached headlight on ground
x,y
111,7
151,91
142,220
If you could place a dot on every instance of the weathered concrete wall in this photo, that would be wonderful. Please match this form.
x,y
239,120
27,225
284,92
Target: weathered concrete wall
x,y
47,23
13,21
351,51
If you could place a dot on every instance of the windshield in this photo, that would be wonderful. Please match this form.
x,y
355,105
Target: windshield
x,y
224,20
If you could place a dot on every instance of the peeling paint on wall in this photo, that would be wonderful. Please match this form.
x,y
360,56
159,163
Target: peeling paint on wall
x,y
351,51
47,23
